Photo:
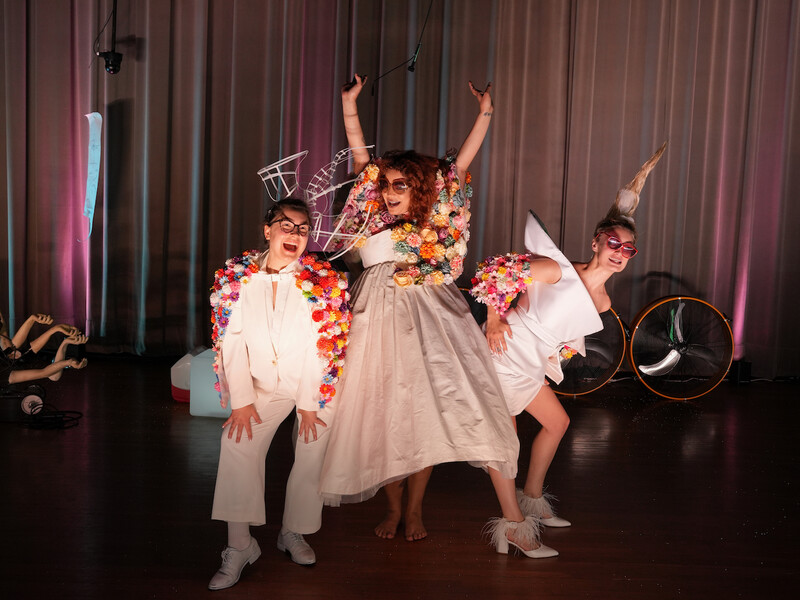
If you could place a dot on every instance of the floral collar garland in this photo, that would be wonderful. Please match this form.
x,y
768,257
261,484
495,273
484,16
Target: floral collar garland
x,y
499,279
429,253
326,289
319,284
432,253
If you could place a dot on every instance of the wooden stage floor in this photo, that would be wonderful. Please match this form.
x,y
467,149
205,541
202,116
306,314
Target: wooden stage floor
x,y
667,499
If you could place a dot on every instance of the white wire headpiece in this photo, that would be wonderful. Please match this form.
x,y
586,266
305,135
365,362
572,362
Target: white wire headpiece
x,y
280,179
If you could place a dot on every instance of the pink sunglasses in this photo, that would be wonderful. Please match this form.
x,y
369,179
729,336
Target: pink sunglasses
x,y
627,249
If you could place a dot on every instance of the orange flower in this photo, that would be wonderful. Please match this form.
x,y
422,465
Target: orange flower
x,y
324,345
427,250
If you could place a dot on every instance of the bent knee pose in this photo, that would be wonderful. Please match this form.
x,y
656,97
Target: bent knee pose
x,y
425,391
269,364
559,306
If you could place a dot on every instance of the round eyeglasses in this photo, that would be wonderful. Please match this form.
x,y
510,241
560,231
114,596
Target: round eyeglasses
x,y
289,226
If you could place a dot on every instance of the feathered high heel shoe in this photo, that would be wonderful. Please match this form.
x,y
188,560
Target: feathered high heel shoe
x,y
539,507
504,533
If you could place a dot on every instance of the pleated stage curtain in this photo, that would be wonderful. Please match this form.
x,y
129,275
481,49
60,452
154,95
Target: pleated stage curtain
x,y
585,90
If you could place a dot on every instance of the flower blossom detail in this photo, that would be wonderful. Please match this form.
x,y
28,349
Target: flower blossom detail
x,y
500,279
326,290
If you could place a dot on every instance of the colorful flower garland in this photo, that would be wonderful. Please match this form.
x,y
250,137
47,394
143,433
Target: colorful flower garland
x,y
225,292
429,253
432,253
500,279
320,285
326,289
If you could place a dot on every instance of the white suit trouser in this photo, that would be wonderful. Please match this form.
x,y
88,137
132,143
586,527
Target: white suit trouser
x,y
239,493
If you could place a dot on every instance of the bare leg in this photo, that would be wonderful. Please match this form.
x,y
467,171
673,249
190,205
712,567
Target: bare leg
x,y
546,409
507,496
394,497
417,483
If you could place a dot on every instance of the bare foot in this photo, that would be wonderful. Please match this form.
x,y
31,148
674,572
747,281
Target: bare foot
x,y
387,528
415,530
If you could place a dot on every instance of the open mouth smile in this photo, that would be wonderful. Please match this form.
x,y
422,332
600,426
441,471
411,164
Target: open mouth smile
x,y
289,247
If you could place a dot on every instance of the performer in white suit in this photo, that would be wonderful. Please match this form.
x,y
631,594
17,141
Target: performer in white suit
x,y
275,353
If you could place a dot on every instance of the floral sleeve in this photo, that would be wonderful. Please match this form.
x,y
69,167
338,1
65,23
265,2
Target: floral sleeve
x,y
500,279
364,213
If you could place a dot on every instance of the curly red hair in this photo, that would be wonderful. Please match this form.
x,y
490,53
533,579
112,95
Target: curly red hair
x,y
420,174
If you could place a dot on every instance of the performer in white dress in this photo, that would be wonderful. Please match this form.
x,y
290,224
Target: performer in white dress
x,y
425,391
554,311
280,321
559,306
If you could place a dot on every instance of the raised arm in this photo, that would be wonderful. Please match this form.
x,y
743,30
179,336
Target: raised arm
x,y
352,124
67,330
474,140
25,328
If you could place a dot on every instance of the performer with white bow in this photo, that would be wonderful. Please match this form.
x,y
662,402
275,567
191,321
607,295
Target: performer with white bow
x,y
558,304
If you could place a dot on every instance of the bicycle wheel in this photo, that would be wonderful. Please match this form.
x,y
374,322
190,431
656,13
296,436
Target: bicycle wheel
x,y
604,353
680,347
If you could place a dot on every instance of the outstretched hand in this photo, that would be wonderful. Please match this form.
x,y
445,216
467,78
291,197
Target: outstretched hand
x,y
76,338
42,318
351,90
75,363
67,330
483,96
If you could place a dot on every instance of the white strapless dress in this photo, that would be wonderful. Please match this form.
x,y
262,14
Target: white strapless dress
x,y
547,317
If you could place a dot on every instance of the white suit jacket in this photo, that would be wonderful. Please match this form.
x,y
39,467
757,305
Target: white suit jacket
x,y
270,352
